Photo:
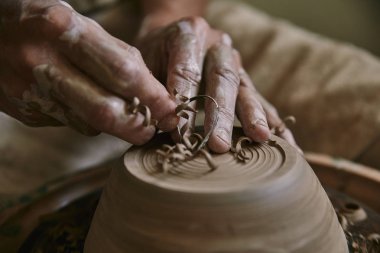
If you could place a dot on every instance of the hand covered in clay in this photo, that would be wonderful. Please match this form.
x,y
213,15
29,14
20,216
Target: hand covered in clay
x,y
188,53
58,67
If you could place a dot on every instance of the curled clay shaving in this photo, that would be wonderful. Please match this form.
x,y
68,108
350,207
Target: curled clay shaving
x,y
242,154
278,130
135,107
169,157
183,110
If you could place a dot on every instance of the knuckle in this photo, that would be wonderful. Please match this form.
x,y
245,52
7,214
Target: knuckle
x,y
199,22
229,75
189,73
191,25
134,52
59,16
187,31
183,39
196,22
128,67
225,38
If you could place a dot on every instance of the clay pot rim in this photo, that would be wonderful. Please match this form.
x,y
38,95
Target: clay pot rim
x,y
291,158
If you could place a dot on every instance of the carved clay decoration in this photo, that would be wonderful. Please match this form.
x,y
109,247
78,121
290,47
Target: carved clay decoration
x,y
269,203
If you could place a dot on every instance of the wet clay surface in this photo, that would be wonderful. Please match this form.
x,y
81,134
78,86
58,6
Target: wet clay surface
x,y
269,203
66,230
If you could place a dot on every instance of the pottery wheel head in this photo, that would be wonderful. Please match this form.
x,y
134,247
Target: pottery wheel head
x,y
268,161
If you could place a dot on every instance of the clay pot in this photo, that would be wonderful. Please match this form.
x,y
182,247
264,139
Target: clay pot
x,y
272,203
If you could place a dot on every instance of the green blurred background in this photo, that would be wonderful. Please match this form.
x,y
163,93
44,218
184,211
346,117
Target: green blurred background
x,y
354,21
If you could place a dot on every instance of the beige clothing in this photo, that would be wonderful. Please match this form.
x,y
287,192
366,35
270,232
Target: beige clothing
x,y
333,89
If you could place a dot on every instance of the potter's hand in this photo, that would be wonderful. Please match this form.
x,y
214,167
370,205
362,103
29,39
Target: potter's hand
x,y
58,67
187,53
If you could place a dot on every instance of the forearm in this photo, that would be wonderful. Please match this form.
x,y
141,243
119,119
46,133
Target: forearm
x,y
159,13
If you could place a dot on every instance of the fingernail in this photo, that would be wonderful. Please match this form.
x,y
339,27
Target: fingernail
x,y
259,122
223,135
259,130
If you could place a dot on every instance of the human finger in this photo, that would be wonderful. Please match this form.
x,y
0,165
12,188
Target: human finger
x,y
222,83
275,122
185,64
250,111
99,108
118,69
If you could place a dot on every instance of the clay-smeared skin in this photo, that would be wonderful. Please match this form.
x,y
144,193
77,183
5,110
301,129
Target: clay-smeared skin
x,y
272,203
191,41
196,54
58,67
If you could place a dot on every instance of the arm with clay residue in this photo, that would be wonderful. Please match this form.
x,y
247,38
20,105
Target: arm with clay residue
x,y
58,67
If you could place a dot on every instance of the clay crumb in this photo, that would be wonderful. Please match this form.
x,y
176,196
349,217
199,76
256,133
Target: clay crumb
x,y
288,120
242,154
135,107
